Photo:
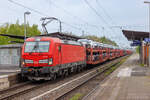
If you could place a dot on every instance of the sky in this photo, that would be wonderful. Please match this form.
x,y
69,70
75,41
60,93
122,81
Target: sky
x,y
88,17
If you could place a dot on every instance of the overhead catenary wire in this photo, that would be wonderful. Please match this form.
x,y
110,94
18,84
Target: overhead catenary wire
x,y
97,13
40,13
85,23
111,19
94,10
100,16
31,9
130,26
106,13
76,17
43,14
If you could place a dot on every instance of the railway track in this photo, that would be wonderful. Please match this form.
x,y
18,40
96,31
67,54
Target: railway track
x,y
19,85
84,90
19,89
52,90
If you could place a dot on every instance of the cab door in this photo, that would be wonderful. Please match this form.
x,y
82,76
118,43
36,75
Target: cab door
x,y
58,54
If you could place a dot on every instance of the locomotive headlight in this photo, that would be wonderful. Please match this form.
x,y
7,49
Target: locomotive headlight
x,y
50,62
28,61
43,61
23,63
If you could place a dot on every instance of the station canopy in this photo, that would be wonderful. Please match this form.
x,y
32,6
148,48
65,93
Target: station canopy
x,y
135,35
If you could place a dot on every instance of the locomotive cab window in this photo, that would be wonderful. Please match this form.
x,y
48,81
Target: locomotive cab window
x,y
37,46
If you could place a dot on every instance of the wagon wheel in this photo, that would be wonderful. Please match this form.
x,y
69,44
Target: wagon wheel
x,y
23,78
75,70
79,69
53,76
66,73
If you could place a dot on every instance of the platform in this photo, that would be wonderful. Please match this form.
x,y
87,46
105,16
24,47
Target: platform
x,y
129,82
8,76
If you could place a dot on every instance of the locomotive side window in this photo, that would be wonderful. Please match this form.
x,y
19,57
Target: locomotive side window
x,y
59,48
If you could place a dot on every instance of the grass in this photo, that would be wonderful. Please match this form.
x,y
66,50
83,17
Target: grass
x,y
114,67
142,65
110,70
100,70
76,96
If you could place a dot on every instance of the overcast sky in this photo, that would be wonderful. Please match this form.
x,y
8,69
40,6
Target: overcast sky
x,y
78,16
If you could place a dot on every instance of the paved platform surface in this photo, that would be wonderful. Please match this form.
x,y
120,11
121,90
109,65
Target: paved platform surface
x,y
129,82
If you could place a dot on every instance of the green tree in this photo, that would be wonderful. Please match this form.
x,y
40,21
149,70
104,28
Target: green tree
x,y
138,49
17,29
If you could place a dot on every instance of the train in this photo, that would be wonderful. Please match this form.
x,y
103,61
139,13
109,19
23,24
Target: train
x,y
45,58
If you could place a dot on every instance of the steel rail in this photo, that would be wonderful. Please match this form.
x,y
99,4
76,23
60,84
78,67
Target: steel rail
x,y
27,87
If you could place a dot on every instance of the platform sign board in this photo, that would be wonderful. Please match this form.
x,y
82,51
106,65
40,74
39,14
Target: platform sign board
x,y
147,39
136,43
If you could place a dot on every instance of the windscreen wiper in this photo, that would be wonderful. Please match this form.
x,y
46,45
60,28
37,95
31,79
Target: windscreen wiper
x,y
34,48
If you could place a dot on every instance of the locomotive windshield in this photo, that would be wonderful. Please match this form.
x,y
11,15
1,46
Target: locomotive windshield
x,y
38,46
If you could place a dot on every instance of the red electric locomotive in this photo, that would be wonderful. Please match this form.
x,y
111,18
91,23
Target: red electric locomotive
x,y
46,57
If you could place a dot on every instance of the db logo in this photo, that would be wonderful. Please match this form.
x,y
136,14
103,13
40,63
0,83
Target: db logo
x,y
36,62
